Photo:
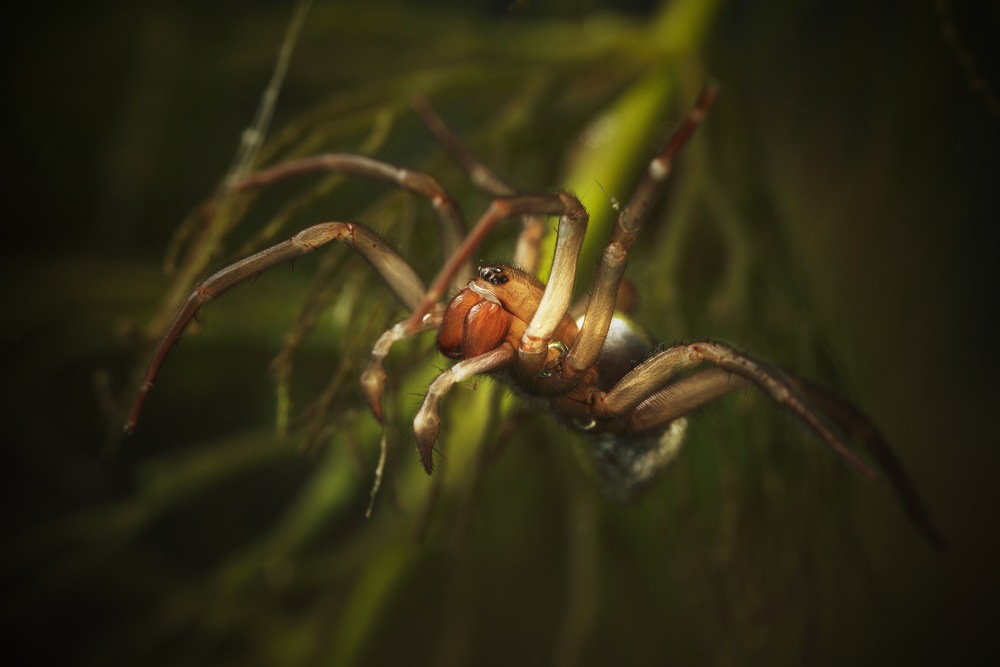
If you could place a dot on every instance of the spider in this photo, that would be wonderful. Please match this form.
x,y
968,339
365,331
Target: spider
x,y
589,366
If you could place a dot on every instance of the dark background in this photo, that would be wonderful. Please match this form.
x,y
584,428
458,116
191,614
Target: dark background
x,y
852,156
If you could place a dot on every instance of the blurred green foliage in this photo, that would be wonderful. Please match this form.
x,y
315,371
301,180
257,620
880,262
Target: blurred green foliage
x,y
828,215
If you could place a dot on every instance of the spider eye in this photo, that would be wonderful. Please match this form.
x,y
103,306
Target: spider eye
x,y
494,274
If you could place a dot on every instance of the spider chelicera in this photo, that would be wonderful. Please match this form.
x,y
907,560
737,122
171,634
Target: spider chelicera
x,y
593,370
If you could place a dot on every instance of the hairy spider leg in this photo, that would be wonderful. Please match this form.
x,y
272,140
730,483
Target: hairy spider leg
x,y
401,278
529,241
647,397
395,271
427,423
653,395
451,222
611,267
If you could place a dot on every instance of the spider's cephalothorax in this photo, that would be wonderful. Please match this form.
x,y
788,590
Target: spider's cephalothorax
x,y
494,308
593,370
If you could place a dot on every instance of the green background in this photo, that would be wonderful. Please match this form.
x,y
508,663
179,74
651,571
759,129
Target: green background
x,y
836,213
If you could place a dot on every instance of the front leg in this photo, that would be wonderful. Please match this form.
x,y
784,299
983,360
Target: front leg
x,y
529,242
374,377
451,222
602,305
427,423
396,272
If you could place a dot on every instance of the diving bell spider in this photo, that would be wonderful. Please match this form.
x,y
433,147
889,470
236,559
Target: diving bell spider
x,y
598,374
